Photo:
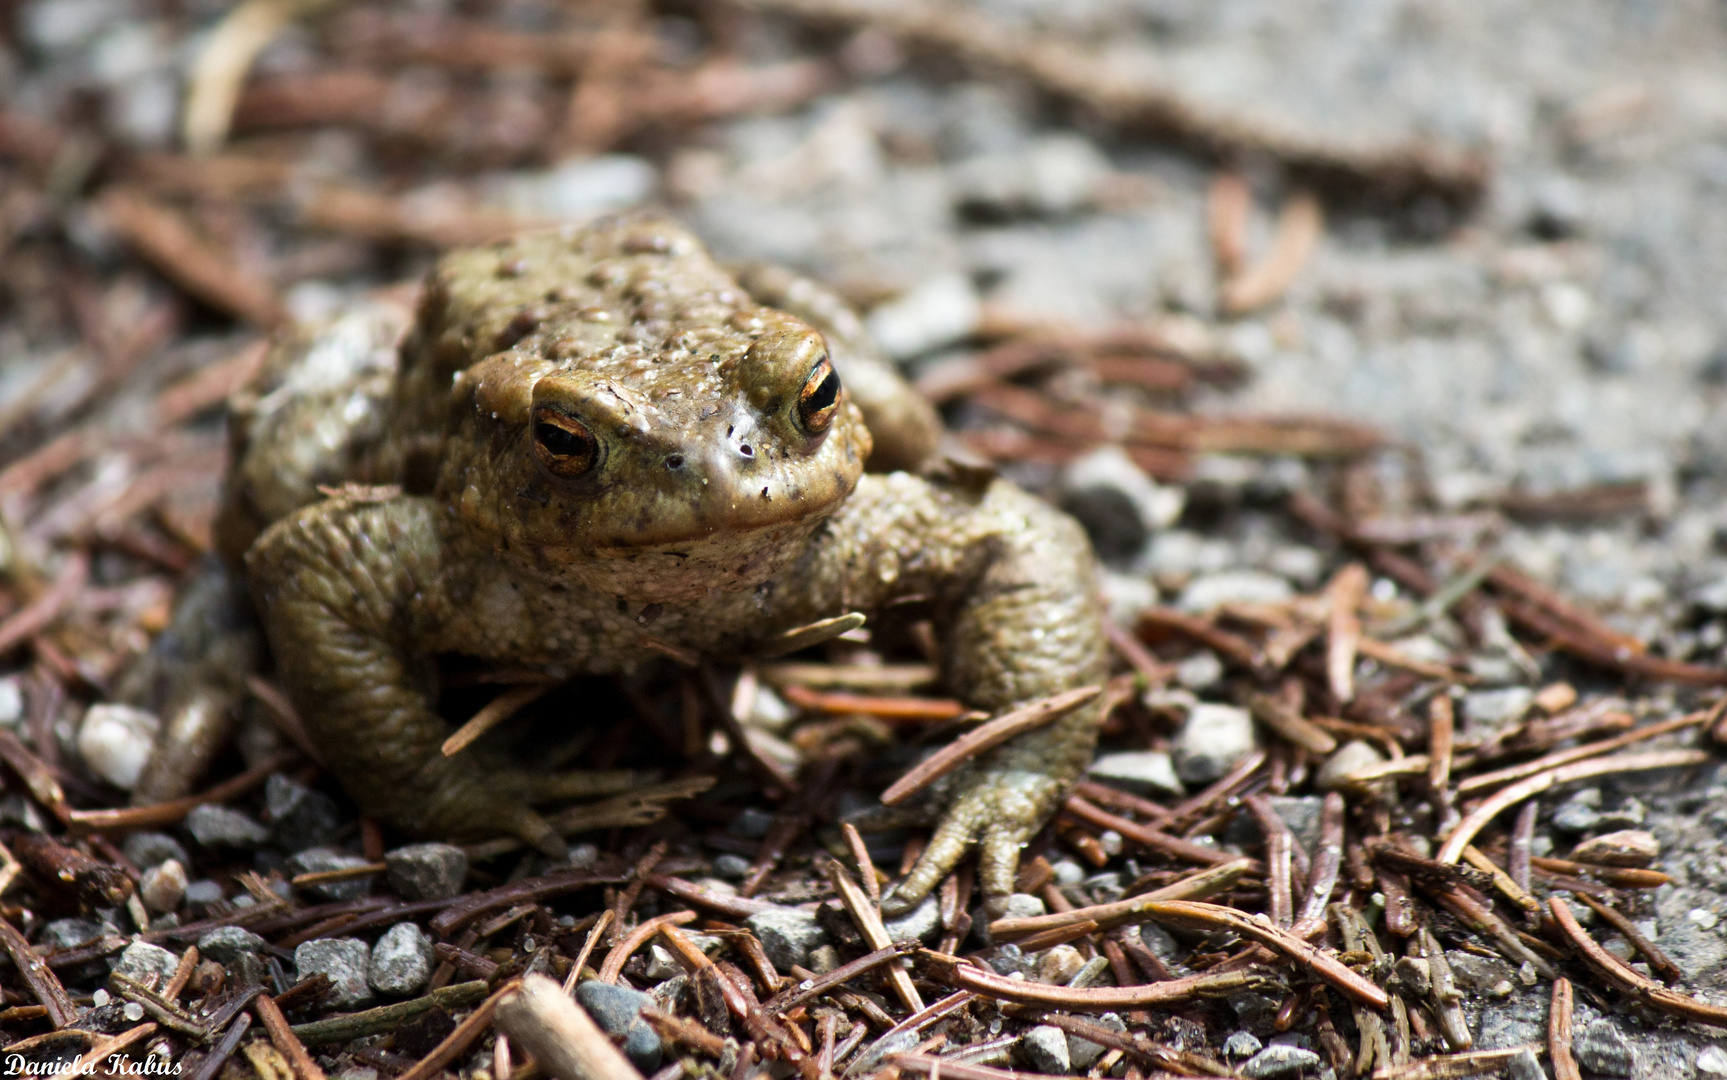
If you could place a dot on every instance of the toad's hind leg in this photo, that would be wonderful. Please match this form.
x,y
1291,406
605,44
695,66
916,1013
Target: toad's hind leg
x,y
902,423
349,592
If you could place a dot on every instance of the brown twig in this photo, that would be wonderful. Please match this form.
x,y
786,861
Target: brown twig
x,y
543,1020
839,702
635,939
175,810
495,712
1095,998
38,976
1659,962
1610,967
987,737
1197,886
1559,1032
40,613
1577,753
1565,774
461,1038
284,1039
1299,228
168,243
869,924
1191,915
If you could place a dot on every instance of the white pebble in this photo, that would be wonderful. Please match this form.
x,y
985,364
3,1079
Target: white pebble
x,y
115,742
163,886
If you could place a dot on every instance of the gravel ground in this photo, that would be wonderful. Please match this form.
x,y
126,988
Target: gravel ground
x,y
1565,337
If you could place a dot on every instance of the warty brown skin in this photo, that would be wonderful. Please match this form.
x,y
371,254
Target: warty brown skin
x,y
707,512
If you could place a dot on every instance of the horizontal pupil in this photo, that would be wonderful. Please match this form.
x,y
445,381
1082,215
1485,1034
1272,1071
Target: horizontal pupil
x,y
825,394
557,440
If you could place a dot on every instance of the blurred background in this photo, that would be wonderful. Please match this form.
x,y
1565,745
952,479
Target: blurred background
x,y
1244,242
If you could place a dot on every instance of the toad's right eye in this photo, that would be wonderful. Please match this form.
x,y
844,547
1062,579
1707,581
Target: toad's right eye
x,y
563,445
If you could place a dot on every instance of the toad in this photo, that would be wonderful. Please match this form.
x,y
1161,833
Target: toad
x,y
590,447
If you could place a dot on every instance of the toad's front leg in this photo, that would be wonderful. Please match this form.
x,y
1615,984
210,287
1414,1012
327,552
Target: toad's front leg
x,y
351,593
1018,619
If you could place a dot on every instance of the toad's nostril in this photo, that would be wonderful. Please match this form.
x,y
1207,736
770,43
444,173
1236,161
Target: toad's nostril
x,y
674,461
746,450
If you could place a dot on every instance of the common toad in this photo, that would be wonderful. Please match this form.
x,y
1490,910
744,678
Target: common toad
x,y
595,443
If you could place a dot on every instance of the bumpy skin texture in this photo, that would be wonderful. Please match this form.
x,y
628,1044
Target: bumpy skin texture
x,y
712,517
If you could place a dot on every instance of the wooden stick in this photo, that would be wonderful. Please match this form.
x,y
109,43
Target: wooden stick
x,y
284,1039
866,865
461,1038
38,976
1559,1032
1343,628
1516,793
869,924
593,939
1191,915
1653,994
541,1018
987,737
41,612
495,712
1094,998
1577,753
175,810
1197,886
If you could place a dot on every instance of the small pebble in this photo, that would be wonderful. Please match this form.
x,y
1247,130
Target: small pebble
x,y
323,860
618,1011
1058,965
1279,1061
115,742
11,701
346,961
426,871
163,886
1525,1066
1712,1059
150,965
1083,1053
146,849
1046,1050
1628,847
402,961
1241,1044
1212,739
225,944
212,826
1142,772
787,935
1351,757
1602,1048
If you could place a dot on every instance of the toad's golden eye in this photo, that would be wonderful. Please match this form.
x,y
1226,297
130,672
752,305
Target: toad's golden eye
x,y
819,398
563,444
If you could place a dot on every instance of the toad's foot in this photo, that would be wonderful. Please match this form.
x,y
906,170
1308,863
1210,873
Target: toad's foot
x,y
998,810
460,797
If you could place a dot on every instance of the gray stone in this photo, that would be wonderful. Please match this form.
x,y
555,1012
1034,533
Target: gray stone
x,y
1525,1066
1010,959
1019,906
225,944
1351,757
1046,1050
1477,974
1233,587
323,860
1602,1048
203,891
1242,1044
1211,741
426,871
1052,175
937,311
1200,671
751,823
787,935
1486,711
1083,1053
618,1011
1058,965
731,867
1067,872
402,961
212,826
115,742
1627,847
1580,813
1712,1059
150,965
299,817
345,962
68,934
1278,1061
146,849
660,965
921,923
1143,772
1627,815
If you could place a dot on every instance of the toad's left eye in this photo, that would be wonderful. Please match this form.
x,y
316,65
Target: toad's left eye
x,y
819,398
